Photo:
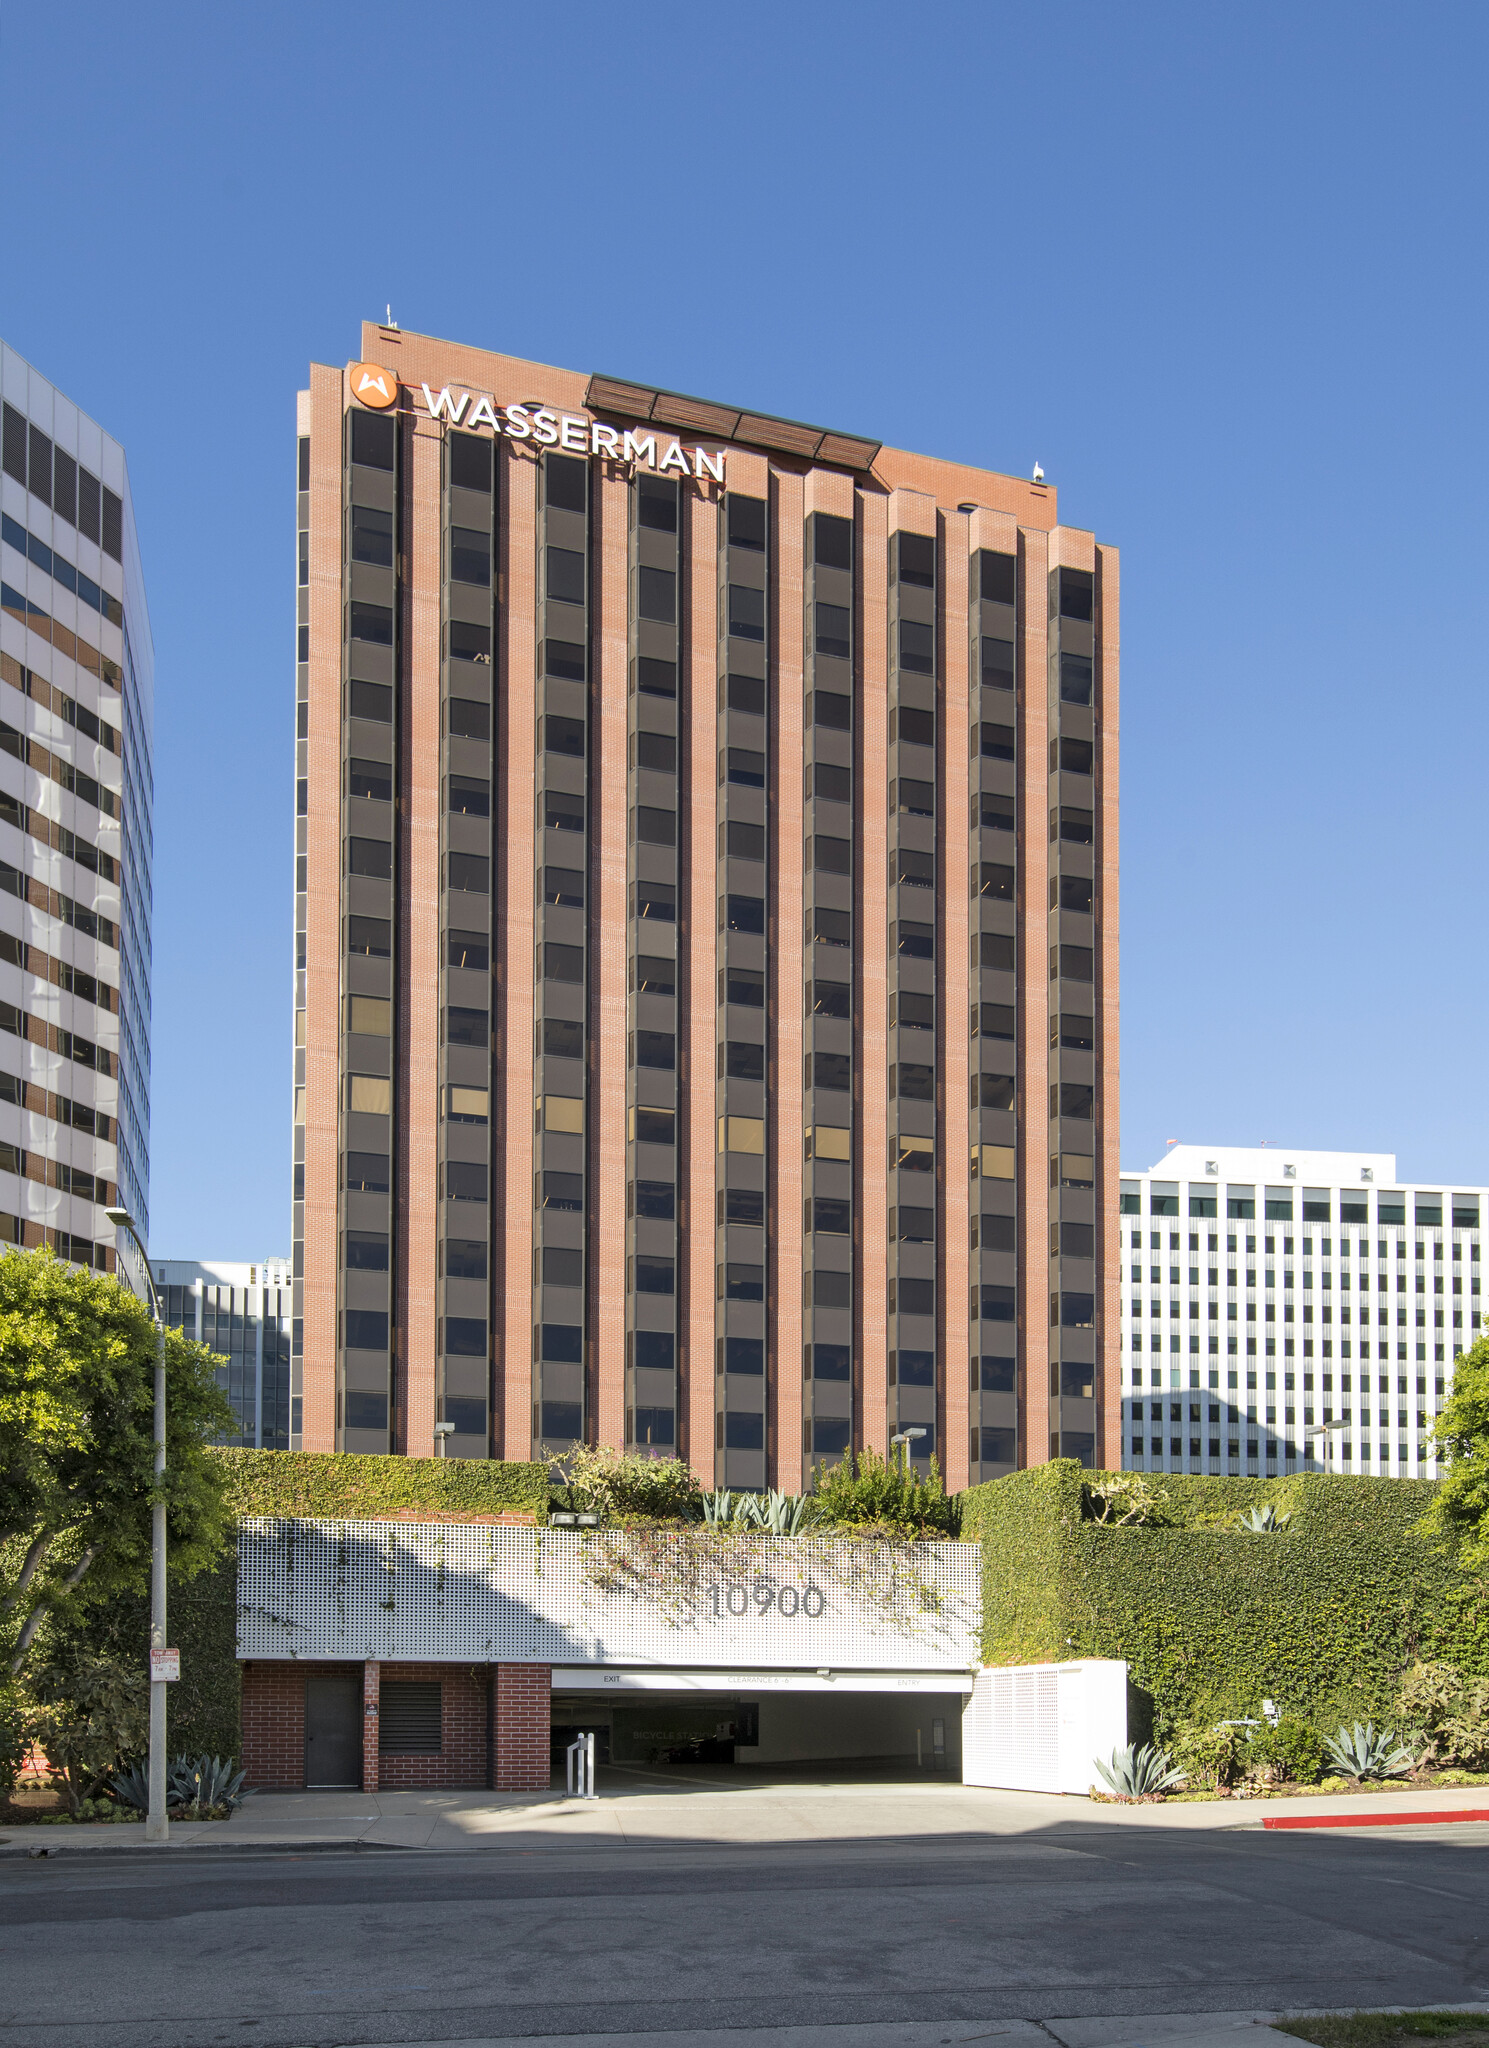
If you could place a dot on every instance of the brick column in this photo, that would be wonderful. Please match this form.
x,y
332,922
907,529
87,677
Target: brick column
x,y
522,1723
371,1687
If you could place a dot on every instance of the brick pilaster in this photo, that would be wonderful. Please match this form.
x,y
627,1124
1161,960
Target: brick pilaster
x,y
523,1700
371,1686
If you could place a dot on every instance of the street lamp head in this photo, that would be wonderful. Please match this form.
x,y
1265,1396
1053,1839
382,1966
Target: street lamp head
x,y
120,1218
444,1429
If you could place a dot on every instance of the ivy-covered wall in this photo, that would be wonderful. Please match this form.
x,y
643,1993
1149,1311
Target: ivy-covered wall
x,y
338,1484
1322,1618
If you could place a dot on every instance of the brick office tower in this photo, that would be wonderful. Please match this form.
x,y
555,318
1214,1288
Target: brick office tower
x,y
706,928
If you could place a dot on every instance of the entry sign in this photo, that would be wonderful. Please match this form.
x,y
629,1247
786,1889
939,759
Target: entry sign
x,y
165,1666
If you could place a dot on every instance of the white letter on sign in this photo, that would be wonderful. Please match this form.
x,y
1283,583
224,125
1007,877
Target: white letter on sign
x,y
639,448
481,415
573,434
674,458
519,426
545,427
604,441
446,404
705,464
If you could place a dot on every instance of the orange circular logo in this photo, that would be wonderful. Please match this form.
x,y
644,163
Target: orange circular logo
x,y
373,385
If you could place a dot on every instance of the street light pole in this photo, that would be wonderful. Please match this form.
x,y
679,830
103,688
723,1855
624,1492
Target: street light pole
x,y
157,1821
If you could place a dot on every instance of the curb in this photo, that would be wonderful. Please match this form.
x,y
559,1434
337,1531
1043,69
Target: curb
x,y
1377,1820
11,1851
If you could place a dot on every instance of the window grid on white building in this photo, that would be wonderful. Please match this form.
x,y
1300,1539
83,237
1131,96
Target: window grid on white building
x,y
1291,1312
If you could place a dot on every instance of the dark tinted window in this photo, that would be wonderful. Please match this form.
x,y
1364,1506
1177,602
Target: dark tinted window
x,y
656,1352
654,677
372,536
745,1355
831,1361
829,1070
992,1020
916,559
373,440
1075,679
563,735
746,521
370,857
916,1368
746,612
561,1190
744,914
747,767
1075,756
746,693
915,941
467,1027
996,742
564,885
469,796
916,799
656,750
654,827
465,1259
468,641
996,950
744,985
655,1126
470,555
831,998
742,1205
653,975
563,811
562,963
470,462
832,541
367,1251
468,949
470,719
564,658
65,487
830,781
828,708
561,1038
370,936
372,701
563,1343
998,578
656,504
565,575
656,1049
39,473
996,880
565,482
834,626
743,1061
366,1173
372,622
370,779
906,722
14,445
1073,593
465,1180
657,899
468,871
832,927
90,505
366,1329
656,1199
913,1082
997,663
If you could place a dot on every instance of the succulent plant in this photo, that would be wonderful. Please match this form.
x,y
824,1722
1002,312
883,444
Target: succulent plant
x,y
1368,1752
1265,1520
1140,1772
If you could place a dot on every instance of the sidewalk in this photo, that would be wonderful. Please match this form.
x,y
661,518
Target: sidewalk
x,y
637,1809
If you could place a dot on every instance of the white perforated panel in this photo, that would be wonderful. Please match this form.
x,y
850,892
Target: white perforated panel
x,y
400,1591
1037,1727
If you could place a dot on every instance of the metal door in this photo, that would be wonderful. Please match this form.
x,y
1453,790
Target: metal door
x,y
333,1732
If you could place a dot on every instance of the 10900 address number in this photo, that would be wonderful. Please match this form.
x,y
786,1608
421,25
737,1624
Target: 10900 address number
x,y
766,1597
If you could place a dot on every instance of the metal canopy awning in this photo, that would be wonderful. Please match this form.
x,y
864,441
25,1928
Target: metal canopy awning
x,y
730,423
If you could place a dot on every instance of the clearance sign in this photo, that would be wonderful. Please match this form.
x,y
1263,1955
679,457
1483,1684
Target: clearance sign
x,y
573,433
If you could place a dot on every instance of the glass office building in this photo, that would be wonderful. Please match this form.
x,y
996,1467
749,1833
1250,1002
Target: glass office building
x,y
705,935
76,788
242,1312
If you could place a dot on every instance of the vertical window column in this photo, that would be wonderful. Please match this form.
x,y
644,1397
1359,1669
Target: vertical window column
x,y
562,978
368,770
993,1076
1074,1166
654,654
302,806
467,864
829,811
744,995
914,1352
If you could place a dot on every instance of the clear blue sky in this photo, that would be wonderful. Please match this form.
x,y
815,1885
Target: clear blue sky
x,y
1220,269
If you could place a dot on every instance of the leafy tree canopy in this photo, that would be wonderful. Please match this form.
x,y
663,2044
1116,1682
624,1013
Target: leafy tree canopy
x,y
1459,1515
77,1482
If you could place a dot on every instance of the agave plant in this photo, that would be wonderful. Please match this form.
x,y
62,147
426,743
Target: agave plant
x,y
1368,1752
1265,1520
783,1514
132,1787
1140,1772
719,1508
205,1783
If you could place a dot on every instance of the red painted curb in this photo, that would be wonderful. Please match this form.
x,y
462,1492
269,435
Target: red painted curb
x,y
1376,1820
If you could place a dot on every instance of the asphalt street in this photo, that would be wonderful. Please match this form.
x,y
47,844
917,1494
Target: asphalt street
x,y
381,1946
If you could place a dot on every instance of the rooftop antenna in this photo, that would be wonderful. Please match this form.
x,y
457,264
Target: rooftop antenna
x,y
390,321
1038,473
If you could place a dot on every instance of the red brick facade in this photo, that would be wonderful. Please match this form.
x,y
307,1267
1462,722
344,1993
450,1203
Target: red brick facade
x,y
494,1727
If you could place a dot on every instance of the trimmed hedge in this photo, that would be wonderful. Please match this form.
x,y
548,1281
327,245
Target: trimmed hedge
x,y
341,1484
1322,1618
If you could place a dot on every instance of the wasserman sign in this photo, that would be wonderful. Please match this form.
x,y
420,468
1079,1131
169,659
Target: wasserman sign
x,y
573,433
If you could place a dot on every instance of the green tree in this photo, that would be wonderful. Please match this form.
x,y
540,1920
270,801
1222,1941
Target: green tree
x,y
77,1482
1458,1518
